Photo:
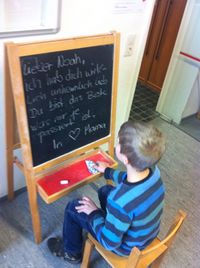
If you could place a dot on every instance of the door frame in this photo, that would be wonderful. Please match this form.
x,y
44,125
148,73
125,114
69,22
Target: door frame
x,y
167,93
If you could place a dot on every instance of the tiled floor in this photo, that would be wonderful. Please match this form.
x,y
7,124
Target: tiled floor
x,y
144,109
144,104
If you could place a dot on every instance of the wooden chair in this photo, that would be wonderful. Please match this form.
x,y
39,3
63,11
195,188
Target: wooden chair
x,y
153,254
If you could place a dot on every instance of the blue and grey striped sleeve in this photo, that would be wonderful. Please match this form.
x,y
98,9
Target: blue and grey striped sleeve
x,y
115,175
110,230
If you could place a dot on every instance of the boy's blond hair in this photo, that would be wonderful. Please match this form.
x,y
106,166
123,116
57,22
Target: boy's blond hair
x,y
142,143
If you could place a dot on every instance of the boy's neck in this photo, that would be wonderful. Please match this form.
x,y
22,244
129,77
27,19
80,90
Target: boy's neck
x,y
134,176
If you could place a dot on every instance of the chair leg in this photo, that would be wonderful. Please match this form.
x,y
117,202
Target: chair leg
x,y
87,252
158,261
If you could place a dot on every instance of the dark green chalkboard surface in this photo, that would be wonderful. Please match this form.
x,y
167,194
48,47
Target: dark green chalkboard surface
x,y
68,98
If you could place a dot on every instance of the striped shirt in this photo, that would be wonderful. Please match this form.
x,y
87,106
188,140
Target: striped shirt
x,y
133,212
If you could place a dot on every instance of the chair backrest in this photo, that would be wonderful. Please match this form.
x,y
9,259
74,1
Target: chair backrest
x,y
153,254
156,251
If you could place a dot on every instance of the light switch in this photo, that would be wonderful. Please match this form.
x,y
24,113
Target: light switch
x,y
129,45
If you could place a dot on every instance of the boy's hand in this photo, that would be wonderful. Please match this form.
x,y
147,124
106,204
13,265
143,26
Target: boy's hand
x,y
101,166
86,205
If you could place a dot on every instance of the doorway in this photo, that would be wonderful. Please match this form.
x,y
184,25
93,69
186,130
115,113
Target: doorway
x,y
163,30
164,27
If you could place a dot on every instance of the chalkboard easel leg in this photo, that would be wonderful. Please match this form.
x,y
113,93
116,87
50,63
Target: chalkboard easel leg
x,y
10,183
32,194
9,125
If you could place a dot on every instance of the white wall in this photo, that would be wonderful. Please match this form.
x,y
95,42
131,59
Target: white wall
x,y
178,97
88,17
193,102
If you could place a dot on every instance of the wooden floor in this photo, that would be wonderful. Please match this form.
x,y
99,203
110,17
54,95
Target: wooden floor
x,y
180,171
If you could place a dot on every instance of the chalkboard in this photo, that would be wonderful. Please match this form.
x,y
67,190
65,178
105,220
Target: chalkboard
x,y
68,97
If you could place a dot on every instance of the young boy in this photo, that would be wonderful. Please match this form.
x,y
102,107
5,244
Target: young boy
x,y
131,210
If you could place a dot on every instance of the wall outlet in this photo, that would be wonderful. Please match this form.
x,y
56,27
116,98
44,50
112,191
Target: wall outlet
x,y
129,45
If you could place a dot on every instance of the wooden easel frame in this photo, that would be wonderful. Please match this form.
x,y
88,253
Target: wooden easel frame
x,y
14,91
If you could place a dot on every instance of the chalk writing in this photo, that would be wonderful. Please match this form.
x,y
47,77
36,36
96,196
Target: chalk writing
x,y
97,94
87,115
68,99
56,78
36,66
76,99
53,130
73,75
34,112
40,124
62,90
55,104
91,129
57,145
33,84
40,97
63,61
95,70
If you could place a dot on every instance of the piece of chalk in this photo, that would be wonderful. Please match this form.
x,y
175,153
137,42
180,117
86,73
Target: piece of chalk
x,y
64,182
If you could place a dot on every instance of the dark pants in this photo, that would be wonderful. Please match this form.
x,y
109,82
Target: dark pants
x,y
75,222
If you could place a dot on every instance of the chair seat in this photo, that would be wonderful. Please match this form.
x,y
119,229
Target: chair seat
x,y
121,262
113,259
153,254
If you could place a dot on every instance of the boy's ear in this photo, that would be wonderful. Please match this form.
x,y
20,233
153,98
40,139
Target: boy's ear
x,y
125,160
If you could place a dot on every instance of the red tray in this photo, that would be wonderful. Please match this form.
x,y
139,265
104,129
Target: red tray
x,y
76,173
